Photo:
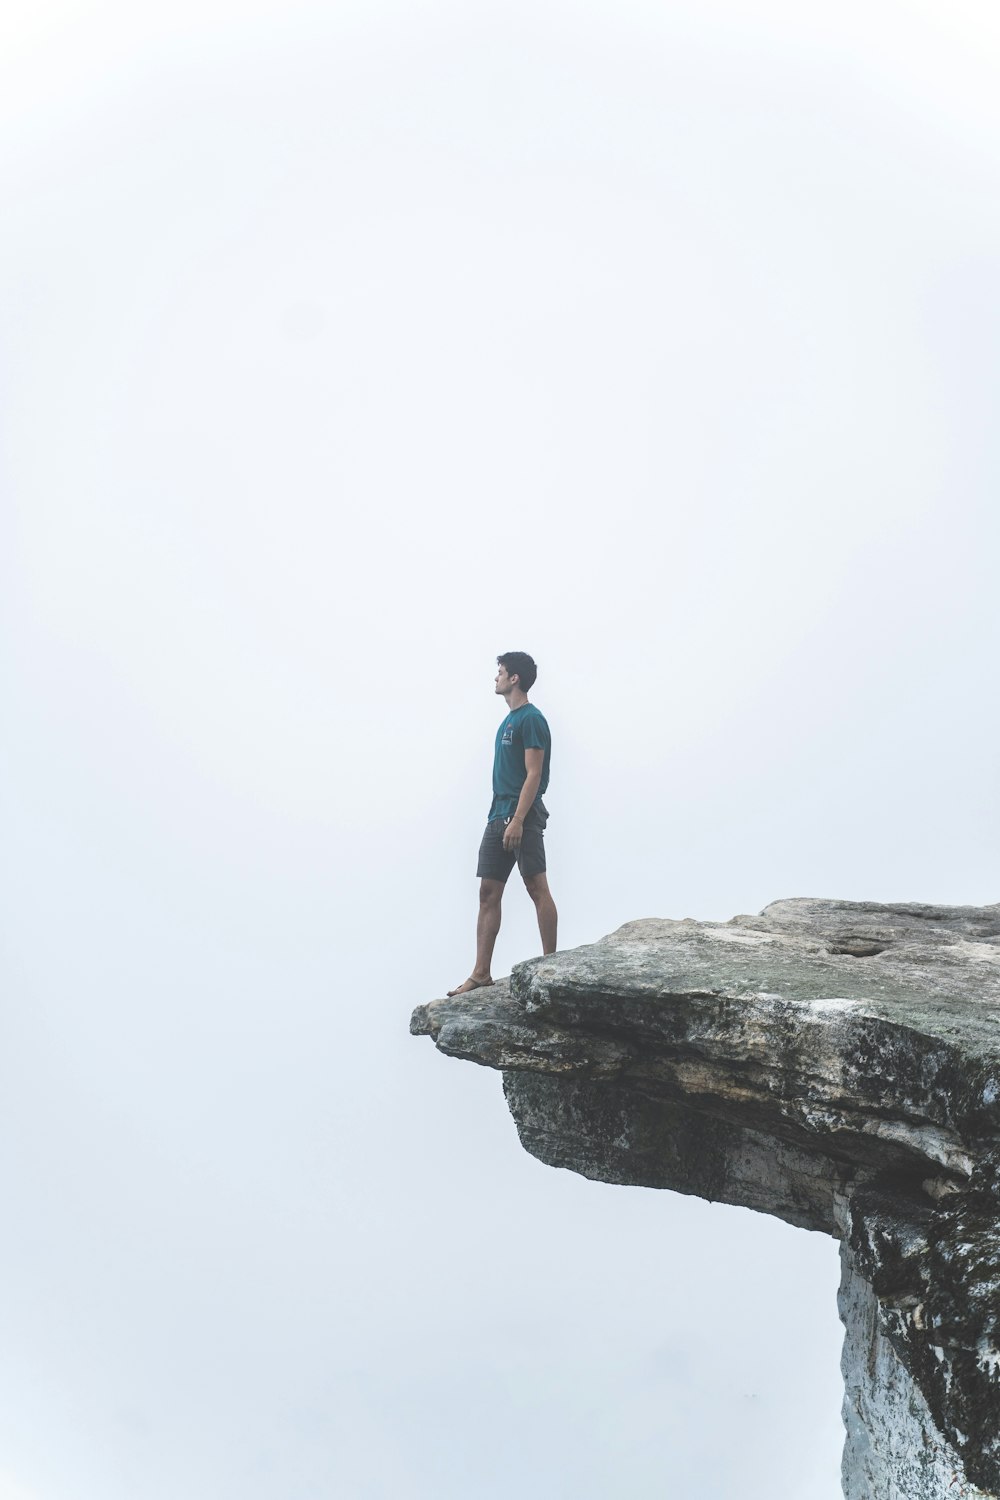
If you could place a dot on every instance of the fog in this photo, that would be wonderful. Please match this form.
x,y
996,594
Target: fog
x,y
344,348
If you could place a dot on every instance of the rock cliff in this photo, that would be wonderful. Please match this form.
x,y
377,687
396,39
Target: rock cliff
x,y
834,1063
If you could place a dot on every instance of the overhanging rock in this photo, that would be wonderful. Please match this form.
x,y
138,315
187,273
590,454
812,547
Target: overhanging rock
x,y
834,1063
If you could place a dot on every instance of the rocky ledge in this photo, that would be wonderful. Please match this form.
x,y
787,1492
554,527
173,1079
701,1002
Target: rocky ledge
x,y
834,1063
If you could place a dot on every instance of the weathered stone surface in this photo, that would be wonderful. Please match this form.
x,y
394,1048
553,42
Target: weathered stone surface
x,y
892,1447
834,1063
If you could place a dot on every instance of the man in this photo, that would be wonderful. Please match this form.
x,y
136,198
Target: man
x,y
517,818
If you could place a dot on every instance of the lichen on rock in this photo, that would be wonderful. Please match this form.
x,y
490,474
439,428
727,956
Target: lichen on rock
x,y
836,1064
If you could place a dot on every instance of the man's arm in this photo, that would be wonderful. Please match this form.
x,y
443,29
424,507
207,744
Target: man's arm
x,y
534,758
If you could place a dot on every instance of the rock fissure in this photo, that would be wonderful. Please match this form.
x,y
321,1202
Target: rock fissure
x,y
835,1064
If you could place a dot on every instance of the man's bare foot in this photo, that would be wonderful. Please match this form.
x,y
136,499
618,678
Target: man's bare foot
x,y
472,983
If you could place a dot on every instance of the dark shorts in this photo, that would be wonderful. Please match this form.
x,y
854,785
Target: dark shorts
x,y
496,862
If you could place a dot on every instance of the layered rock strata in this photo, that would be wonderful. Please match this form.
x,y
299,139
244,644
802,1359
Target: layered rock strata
x,y
834,1063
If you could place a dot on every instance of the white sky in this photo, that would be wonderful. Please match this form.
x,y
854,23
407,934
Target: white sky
x,y
342,348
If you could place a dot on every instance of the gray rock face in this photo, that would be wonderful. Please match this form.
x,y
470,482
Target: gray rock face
x,y
836,1064
893,1447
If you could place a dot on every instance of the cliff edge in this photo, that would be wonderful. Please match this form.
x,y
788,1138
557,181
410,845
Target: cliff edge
x,y
834,1063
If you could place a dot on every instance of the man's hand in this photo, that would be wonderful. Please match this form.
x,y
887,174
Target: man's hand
x,y
512,834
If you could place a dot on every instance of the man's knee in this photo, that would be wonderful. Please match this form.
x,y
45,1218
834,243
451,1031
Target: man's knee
x,y
537,886
490,892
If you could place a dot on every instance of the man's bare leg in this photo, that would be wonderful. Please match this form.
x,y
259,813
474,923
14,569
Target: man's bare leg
x,y
537,887
487,927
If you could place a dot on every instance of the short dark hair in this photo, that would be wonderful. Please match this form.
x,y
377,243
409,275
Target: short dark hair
x,y
520,665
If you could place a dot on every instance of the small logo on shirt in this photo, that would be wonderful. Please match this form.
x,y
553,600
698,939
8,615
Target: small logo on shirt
x,y
508,735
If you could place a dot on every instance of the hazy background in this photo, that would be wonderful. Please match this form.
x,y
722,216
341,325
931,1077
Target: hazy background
x,y
344,347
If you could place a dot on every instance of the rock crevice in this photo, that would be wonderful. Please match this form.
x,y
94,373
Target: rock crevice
x,y
836,1064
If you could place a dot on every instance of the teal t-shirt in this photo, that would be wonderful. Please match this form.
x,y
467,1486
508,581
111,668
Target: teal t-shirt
x,y
524,728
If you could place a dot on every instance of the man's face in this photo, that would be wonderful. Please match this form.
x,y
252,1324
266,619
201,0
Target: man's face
x,y
505,683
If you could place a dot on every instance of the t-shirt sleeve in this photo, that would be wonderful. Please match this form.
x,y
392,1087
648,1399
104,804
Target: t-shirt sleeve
x,y
536,733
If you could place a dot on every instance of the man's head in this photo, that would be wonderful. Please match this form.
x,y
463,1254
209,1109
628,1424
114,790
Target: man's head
x,y
516,670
